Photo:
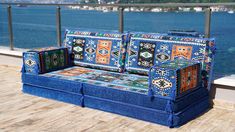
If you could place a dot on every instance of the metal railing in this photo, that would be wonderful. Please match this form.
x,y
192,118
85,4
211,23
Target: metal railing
x,y
121,8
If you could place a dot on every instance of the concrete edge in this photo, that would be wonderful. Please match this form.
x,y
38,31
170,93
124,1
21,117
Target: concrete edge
x,y
17,52
223,104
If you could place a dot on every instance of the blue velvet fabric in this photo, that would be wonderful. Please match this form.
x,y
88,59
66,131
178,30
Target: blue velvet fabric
x,y
148,114
144,100
68,97
53,83
132,104
191,112
139,112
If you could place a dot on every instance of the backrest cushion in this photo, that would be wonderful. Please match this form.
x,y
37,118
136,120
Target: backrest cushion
x,y
145,50
102,50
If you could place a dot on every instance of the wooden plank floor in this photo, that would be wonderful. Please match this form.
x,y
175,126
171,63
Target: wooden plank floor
x,y
26,113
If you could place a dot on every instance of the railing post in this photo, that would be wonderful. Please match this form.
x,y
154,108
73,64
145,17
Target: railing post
x,y
58,26
10,30
207,22
121,22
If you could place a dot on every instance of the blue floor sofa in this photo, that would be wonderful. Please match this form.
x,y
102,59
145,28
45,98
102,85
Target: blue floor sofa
x,y
159,78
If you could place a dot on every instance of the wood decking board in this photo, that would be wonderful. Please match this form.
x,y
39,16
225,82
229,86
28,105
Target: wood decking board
x,y
27,113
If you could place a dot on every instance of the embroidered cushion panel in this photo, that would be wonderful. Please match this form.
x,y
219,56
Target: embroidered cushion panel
x,y
122,81
174,79
45,59
102,50
146,50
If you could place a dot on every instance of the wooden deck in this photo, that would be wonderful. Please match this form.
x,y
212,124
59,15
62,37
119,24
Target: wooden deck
x,y
26,113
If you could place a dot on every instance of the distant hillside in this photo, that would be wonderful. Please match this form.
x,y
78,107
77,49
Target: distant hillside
x,y
118,1
42,1
175,1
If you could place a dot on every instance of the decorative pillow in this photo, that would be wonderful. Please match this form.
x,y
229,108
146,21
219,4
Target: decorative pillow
x,y
45,60
101,50
146,50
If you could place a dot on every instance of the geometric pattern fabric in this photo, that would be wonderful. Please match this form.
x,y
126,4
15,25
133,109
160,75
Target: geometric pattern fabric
x,y
101,50
174,79
121,81
145,50
45,60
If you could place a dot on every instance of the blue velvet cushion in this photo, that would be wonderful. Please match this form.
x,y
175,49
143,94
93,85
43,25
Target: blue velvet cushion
x,y
64,96
171,119
51,82
120,93
153,115
97,49
126,88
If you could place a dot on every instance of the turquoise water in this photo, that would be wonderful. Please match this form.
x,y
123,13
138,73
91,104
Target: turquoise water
x,y
35,27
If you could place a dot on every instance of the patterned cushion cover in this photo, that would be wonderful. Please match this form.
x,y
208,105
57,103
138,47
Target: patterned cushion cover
x,y
174,79
102,50
146,50
45,60
121,81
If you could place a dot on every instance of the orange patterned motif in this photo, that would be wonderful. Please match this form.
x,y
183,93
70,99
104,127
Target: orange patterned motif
x,y
74,72
181,51
103,51
189,78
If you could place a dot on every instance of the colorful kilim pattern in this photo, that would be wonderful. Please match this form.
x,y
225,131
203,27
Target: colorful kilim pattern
x,y
188,78
174,79
208,63
75,71
102,50
31,62
78,48
166,49
181,51
146,54
45,60
122,81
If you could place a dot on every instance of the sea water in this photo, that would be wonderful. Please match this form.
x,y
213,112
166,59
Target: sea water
x,y
35,26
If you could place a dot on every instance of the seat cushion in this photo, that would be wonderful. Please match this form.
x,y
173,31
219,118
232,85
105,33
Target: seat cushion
x,y
53,83
121,87
97,49
148,49
121,81
124,88
124,94
147,114
64,96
